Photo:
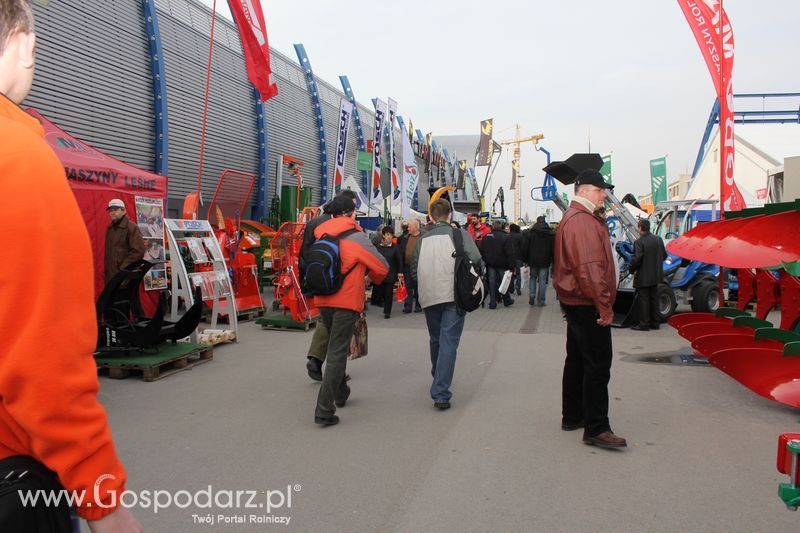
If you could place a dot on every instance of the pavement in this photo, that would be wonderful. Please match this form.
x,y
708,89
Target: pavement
x,y
700,456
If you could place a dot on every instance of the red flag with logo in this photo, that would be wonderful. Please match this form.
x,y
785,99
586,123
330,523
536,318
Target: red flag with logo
x,y
249,19
716,44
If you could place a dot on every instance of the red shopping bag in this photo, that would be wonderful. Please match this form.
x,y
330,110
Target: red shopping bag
x,y
402,292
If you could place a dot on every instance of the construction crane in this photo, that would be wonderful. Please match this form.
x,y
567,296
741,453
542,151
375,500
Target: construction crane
x,y
516,141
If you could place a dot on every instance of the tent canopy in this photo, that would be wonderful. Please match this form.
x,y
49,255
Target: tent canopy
x,y
95,178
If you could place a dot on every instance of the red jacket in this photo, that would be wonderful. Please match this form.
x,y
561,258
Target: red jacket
x,y
583,267
48,379
356,253
483,231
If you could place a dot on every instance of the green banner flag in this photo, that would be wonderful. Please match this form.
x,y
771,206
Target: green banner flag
x,y
658,179
364,161
605,170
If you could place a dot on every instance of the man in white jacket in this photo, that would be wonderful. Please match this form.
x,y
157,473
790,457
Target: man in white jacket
x,y
433,266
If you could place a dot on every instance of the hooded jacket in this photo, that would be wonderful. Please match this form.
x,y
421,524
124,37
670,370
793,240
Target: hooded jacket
x,y
358,256
498,250
583,271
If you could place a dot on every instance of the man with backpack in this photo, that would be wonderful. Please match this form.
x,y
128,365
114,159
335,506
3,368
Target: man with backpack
x,y
434,265
336,264
319,342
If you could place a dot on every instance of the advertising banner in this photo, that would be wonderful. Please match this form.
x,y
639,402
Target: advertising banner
x,y
375,192
485,146
345,112
410,176
396,192
713,32
150,219
249,18
605,170
658,179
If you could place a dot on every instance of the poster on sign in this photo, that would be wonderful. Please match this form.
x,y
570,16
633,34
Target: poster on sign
x,y
150,219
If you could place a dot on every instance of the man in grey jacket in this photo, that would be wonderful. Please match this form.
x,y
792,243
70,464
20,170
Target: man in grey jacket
x,y
433,266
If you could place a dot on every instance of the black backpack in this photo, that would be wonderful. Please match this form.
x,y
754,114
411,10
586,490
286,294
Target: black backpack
x,y
323,265
469,290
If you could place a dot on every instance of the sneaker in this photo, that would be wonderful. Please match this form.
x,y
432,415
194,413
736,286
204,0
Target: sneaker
x,y
327,420
314,367
442,405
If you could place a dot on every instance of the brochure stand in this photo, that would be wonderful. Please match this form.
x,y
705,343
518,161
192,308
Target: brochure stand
x,y
209,273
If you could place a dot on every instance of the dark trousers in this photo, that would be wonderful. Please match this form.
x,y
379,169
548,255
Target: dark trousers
x,y
341,324
23,473
648,306
587,369
388,297
412,300
495,275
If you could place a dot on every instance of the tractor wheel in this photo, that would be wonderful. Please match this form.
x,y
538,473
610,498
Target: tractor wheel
x,y
705,297
666,302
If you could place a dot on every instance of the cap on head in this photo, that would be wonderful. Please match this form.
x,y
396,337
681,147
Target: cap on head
x,y
116,203
341,205
592,177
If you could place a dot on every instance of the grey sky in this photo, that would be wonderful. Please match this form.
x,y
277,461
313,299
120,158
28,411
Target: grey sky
x,y
628,70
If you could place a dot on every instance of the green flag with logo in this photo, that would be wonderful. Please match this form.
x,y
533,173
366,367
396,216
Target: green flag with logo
x,y
605,170
658,179
364,161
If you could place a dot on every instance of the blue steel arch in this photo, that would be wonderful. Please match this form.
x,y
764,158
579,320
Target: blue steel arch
x,y
305,64
348,92
161,163
263,154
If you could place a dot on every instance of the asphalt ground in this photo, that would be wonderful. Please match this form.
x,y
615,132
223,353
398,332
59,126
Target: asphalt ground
x,y
700,456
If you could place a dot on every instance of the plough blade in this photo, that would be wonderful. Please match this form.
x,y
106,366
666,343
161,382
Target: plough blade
x,y
766,372
708,345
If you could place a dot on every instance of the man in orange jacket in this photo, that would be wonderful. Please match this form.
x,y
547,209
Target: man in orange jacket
x,y
340,310
53,431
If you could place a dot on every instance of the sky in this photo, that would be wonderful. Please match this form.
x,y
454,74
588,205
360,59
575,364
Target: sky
x,y
624,75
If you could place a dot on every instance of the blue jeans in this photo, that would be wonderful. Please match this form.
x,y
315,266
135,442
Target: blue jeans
x,y
445,324
495,278
539,278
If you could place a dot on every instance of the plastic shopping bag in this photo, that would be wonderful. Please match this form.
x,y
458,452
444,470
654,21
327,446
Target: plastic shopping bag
x,y
506,282
402,291
525,276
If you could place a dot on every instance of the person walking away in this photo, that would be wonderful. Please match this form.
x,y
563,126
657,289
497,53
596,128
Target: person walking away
x,y
648,267
433,266
515,236
498,254
391,252
124,243
54,434
586,285
339,310
319,341
537,252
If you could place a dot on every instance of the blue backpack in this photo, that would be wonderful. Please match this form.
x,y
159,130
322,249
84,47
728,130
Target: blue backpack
x,y
323,265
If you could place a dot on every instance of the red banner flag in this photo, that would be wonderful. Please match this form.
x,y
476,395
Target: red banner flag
x,y
714,35
249,19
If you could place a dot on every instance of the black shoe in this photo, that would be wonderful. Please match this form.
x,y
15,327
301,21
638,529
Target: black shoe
x,y
387,315
640,328
343,400
492,306
441,405
326,421
417,309
406,310
509,302
519,292
567,426
314,367
655,326
531,301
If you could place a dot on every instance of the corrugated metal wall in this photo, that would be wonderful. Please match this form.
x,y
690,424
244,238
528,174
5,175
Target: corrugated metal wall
x,y
93,75
93,79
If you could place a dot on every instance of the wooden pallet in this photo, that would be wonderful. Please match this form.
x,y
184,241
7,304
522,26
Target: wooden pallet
x,y
171,358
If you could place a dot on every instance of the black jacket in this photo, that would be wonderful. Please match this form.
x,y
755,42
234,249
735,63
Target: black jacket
x,y
648,261
308,237
537,245
392,256
516,241
498,250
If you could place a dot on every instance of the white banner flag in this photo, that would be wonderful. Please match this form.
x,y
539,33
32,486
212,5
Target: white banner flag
x,y
410,176
345,112
396,192
375,193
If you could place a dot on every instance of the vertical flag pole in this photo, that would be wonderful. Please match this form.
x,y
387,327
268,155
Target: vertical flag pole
x,y
722,94
205,100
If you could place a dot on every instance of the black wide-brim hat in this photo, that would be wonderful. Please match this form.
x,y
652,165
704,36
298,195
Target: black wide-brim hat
x,y
568,172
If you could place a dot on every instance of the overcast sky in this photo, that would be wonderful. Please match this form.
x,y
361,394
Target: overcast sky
x,y
626,73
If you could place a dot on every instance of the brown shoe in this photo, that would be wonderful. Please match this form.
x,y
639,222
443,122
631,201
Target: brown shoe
x,y
605,440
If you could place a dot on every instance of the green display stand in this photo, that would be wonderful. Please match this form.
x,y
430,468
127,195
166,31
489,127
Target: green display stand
x,y
289,209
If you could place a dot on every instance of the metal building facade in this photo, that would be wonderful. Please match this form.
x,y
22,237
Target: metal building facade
x,y
94,80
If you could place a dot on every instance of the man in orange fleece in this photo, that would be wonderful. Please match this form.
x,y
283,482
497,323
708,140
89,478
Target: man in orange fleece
x,y
340,310
53,431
